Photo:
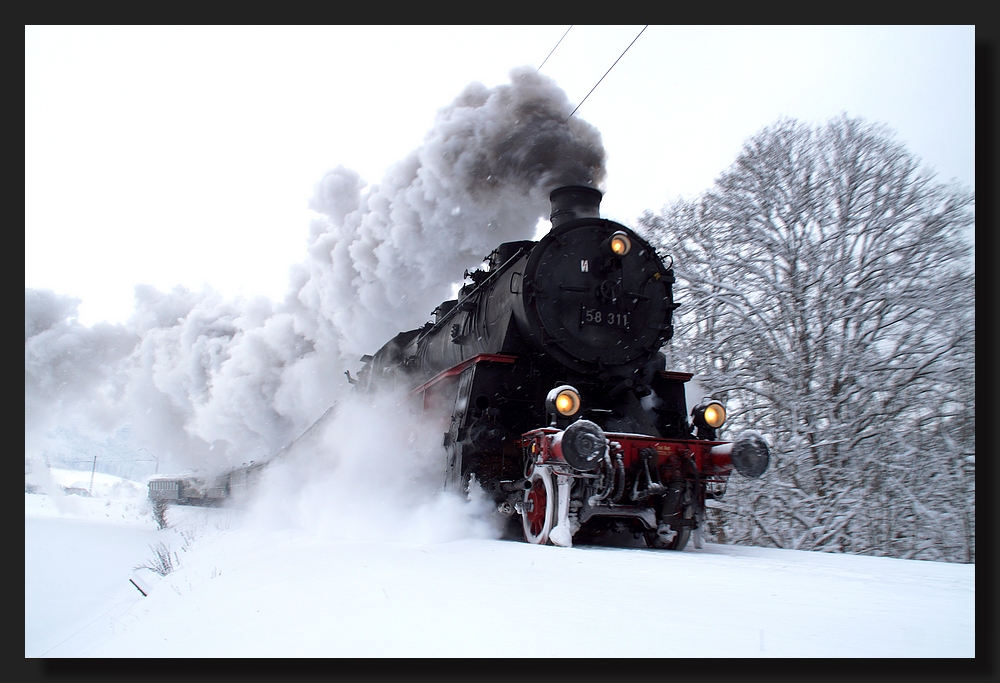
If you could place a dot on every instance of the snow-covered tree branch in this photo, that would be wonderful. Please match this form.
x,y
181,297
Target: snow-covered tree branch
x,y
827,296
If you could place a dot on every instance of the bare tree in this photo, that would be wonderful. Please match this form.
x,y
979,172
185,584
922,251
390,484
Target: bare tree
x,y
826,294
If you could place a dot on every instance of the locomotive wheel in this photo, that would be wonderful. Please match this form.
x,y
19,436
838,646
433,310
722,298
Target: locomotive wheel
x,y
654,540
539,507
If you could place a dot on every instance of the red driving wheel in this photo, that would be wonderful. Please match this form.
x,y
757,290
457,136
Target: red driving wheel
x,y
539,507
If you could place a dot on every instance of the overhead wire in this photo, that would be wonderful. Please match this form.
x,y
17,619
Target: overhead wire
x,y
605,74
553,49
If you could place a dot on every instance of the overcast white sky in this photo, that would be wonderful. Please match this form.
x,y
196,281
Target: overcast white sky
x,y
187,155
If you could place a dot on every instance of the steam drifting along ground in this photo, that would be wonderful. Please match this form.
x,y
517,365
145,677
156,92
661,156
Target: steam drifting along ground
x,y
242,590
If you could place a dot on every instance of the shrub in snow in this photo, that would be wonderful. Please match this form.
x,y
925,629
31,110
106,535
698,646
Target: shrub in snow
x,y
162,562
160,513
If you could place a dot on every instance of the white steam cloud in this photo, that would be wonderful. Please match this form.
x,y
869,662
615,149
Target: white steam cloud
x,y
207,383
380,263
371,474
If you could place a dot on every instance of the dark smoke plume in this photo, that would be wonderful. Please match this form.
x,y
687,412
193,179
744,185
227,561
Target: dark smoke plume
x,y
382,261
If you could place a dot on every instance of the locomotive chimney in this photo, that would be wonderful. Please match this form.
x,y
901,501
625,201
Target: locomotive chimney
x,y
575,201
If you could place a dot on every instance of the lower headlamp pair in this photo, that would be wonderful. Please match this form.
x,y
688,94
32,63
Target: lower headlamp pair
x,y
565,400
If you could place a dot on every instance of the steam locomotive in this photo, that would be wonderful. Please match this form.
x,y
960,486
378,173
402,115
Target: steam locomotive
x,y
553,395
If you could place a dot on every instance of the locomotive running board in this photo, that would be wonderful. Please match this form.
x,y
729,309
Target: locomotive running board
x,y
462,367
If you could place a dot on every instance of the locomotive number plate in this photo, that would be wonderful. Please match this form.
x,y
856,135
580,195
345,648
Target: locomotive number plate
x,y
604,317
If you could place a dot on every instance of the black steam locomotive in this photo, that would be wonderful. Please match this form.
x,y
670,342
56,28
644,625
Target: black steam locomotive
x,y
547,375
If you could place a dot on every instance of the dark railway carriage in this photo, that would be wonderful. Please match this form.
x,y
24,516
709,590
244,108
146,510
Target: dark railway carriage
x,y
200,490
188,489
552,393
234,484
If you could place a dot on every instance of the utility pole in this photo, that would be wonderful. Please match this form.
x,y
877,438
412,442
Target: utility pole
x,y
91,489
157,470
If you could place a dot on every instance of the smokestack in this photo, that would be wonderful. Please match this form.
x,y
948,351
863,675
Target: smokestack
x,y
575,201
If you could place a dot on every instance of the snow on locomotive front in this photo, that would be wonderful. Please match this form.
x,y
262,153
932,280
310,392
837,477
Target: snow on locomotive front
x,y
552,393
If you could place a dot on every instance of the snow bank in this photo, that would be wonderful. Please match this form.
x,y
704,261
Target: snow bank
x,y
348,580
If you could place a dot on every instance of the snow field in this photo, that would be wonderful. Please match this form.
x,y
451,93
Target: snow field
x,y
246,591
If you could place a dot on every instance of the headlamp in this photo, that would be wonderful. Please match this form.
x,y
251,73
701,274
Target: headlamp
x,y
715,415
709,414
620,243
567,401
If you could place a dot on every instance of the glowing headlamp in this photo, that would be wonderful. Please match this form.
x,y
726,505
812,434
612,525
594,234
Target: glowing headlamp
x,y
715,415
710,414
567,402
563,401
620,243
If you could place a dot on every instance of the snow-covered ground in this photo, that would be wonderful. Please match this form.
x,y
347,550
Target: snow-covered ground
x,y
242,589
